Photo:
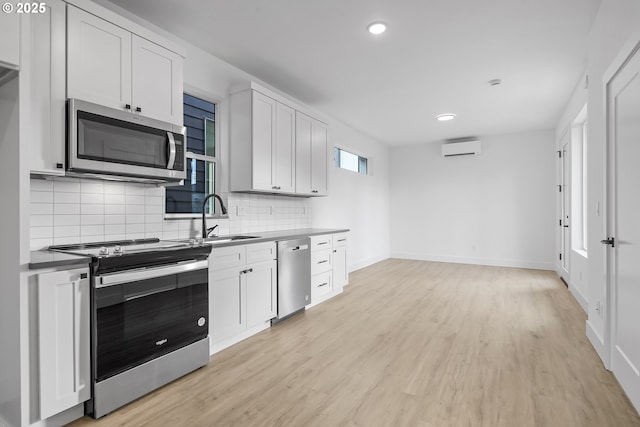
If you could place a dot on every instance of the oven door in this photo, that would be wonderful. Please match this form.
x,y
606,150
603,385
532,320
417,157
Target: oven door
x,y
145,313
107,141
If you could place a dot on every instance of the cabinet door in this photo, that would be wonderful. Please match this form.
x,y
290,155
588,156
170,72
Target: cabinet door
x,y
47,47
98,60
263,115
303,153
283,160
226,295
156,82
340,275
63,312
10,40
319,158
261,280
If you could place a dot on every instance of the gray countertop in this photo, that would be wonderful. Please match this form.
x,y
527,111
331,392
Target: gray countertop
x,y
267,236
46,259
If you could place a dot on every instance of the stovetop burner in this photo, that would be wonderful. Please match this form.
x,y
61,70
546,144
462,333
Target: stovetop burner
x,y
117,255
117,247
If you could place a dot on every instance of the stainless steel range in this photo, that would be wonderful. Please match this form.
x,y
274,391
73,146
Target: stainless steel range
x,y
149,314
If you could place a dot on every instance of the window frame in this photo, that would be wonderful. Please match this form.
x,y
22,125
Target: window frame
x,y
367,161
212,211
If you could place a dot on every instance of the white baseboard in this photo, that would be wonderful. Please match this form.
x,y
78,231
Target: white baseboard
x,y
579,296
366,263
476,261
598,344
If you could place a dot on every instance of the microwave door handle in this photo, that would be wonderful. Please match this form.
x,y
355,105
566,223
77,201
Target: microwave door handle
x,y
172,150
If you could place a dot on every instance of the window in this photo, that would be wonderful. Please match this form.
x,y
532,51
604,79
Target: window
x,y
185,201
579,133
349,161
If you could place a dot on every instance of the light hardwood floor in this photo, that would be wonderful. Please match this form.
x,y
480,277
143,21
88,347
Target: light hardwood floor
x,y
409,343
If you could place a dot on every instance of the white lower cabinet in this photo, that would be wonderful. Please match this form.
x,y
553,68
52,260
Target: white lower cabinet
x,y
328,266
242,291
63,339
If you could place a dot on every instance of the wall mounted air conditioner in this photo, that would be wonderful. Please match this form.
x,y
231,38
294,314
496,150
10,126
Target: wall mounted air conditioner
x,y
461,148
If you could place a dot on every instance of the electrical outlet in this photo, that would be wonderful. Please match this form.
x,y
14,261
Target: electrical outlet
x,y
599,308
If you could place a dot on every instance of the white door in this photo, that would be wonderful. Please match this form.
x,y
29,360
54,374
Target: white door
x,y
263,111
98,60
623,105
566,209
284,149
156,81
319,141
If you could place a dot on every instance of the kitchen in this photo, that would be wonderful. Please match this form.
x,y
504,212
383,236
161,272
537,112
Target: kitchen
x,y
385,191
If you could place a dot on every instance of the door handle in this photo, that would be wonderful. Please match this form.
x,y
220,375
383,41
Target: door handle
x,y
172,150
566,226
609,241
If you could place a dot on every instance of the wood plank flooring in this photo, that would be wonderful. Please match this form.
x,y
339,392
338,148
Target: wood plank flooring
x,y
409,343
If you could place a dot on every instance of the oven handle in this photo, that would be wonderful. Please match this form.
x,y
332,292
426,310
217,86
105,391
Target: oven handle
x,y
172,150
148,273
146,294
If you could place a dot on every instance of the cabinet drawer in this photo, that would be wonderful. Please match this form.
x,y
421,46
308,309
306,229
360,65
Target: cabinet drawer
x,y
339,239
258,252
320,261
226,257
321,242
320,285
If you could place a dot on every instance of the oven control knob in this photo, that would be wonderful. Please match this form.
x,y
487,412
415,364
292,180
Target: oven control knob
x,y
202,321
104,251
118,250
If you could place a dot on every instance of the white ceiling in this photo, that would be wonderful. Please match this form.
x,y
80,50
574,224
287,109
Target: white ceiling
x,y
436,57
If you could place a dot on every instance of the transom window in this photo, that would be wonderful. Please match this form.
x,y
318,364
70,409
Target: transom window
x,y
345,160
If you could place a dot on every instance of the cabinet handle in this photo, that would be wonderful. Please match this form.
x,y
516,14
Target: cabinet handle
x,y
323,261
127,106
334,251
250,270
59,166
324,284
323,243
77,309
314,191
138,110
275,187
341,240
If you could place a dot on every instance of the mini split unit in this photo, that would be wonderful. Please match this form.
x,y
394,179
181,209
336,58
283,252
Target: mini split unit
x,y
461,148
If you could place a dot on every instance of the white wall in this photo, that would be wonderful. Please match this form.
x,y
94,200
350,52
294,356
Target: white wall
x,y
358,202
495,208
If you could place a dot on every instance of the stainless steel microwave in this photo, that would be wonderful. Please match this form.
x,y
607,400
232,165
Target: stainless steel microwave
x,y
116,144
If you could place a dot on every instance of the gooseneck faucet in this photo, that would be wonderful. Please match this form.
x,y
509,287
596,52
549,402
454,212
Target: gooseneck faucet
x,y
204,207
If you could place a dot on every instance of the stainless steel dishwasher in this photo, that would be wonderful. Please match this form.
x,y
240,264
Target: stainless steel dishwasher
x,y
294,276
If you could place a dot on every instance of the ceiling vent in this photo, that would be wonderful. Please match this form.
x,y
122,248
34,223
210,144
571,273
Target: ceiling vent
x,y
461,148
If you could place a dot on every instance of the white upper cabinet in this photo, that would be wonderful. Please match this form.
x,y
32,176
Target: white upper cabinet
x,y
110,66
274,147
262,144
46,47
311,156
10,40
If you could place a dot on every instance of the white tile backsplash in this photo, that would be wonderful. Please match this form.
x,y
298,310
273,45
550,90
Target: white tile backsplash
x,y
71,210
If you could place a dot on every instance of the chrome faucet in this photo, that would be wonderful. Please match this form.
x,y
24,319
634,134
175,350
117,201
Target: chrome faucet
x,y
205,231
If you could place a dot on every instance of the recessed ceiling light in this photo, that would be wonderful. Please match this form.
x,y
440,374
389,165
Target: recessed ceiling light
x,y
495,82
445,117
377,28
